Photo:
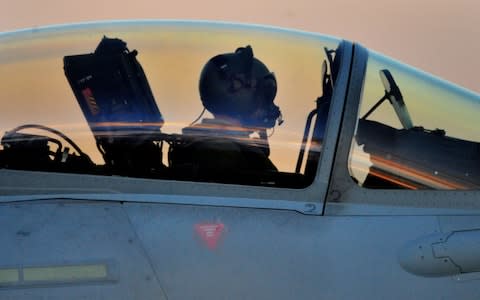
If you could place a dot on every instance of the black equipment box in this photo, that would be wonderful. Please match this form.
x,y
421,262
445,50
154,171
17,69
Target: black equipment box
x,y
113,91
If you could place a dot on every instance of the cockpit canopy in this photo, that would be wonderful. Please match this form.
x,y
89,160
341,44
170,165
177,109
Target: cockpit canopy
x,y
414,131
223,103
123,98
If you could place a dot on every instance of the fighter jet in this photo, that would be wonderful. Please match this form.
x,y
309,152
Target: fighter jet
x,y
207,160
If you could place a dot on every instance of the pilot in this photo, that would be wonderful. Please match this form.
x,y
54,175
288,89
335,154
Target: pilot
x,y
238,90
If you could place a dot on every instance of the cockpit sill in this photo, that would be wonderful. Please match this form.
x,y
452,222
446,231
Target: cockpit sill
x,y
143,191
28,186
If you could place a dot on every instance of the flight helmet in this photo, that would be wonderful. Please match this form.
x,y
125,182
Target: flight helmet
x,y
239,86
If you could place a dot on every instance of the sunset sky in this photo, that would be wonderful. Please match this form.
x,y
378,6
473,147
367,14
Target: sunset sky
x,y
439,36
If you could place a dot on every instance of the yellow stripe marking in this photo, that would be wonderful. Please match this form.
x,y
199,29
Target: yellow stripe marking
x,y
9,275
65,273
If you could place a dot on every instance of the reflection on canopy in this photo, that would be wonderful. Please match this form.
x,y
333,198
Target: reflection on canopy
x,y
35,89
440,151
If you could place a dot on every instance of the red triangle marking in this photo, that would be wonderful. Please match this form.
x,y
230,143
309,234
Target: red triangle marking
x,y
210,233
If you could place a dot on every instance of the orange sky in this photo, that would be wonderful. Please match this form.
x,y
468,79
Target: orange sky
x,y
439,36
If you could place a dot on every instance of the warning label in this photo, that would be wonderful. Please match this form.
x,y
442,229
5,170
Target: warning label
x,y
210,233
